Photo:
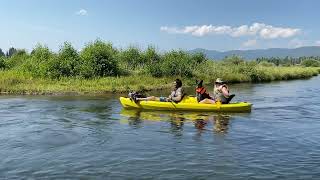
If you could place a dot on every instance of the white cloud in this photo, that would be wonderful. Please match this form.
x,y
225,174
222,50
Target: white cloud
x,y
250,43
82,12
318,43
256,29
295,43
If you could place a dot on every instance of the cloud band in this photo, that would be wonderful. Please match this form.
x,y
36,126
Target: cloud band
x,y
256,29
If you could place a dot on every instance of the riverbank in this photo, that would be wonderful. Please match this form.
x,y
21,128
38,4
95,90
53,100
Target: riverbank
x,y
15,82
101,68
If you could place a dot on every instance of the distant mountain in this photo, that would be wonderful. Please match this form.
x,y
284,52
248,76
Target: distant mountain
x,y
253,54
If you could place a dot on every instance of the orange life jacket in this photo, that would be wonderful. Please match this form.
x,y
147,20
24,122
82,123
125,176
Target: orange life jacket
x,y
202,94
201,90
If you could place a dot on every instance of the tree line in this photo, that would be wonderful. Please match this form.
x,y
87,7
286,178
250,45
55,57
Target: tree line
x,y
9,53
100,59
309,61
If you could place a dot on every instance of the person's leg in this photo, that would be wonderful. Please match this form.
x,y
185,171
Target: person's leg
x,y
151,98
207,101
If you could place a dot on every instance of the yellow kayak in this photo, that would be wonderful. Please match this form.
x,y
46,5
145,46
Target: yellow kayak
x,y
187,104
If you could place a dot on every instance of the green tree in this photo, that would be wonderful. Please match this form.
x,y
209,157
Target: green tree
x,y
310,63
177,63
132,58
98,59
2,63
1,53
11,52
150,56
39,60
266,64
65,63
198,58
17,58
237,60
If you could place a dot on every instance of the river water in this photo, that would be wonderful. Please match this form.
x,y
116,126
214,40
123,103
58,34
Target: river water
x,y
77,137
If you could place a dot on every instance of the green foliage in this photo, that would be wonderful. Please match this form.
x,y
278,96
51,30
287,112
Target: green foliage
x,y
38,63
101,60
236,60
198,58
98,59
11,52
151,56
131,58
1,53
155,69
17,59
310,63
287,61
266,64
177,63
2,63
66,63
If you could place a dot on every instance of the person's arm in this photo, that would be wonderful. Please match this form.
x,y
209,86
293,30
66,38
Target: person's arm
x,y
169,98
225,91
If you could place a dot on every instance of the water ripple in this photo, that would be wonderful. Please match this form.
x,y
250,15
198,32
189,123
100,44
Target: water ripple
x,y
93,138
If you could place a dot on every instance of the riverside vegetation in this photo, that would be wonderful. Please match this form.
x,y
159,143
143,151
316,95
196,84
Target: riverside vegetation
x,y
101,68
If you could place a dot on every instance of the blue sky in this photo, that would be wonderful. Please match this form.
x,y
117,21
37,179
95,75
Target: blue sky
x,y
167,24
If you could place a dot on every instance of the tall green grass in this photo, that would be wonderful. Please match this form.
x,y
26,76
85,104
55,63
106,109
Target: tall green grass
x,y
15,82
99,68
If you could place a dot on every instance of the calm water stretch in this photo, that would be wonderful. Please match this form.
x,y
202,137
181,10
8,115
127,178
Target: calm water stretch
x,y
94,138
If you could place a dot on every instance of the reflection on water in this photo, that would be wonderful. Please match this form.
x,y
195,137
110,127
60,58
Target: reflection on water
x,y
202,121
95,138
221,123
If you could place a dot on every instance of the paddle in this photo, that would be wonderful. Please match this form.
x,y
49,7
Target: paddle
x,y
230,98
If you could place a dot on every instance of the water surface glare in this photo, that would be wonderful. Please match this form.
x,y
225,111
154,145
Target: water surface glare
x,y
77,137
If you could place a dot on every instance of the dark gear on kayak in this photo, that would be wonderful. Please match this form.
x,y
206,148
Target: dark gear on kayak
x,y
134,95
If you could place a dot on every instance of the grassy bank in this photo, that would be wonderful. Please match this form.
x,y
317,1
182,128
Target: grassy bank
x,y
101,68
13,82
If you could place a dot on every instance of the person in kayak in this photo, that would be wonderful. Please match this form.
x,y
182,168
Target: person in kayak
x,y
201,92
176,95
220,93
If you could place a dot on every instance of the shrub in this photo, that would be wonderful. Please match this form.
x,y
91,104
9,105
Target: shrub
x,y
310,63
236,60
17,59
198,58
2,63
155,69
98,59
132,58
65,63
11,52
38,62
176,63
150,55
266,64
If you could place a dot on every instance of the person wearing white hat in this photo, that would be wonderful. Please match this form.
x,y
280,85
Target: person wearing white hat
x,y
221,91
